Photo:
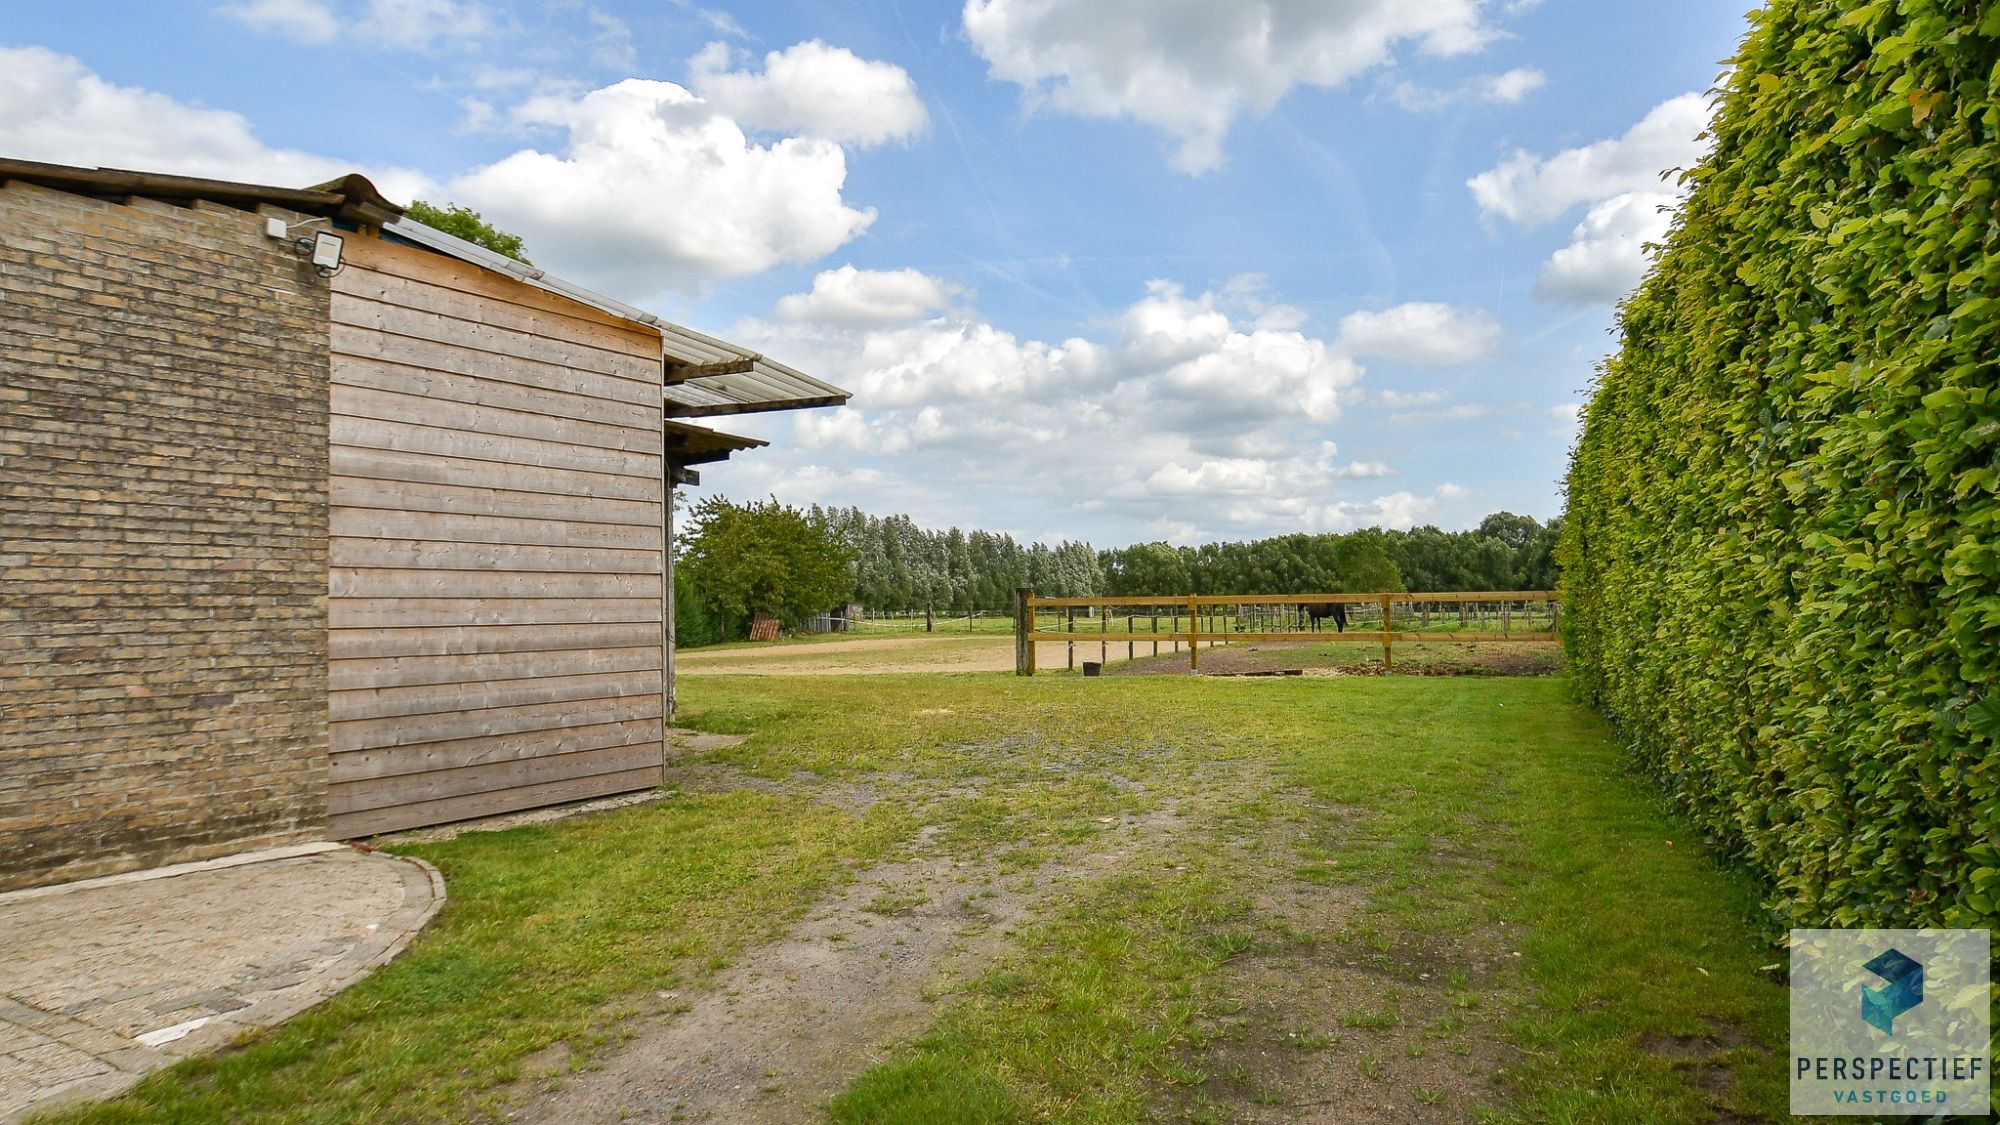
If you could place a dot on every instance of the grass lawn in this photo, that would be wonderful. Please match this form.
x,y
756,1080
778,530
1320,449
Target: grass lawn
x,y
1398,899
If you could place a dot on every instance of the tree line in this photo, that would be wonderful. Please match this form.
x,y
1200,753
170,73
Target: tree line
x,y
1505,552
741,560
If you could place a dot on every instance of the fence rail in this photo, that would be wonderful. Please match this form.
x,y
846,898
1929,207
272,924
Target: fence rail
x,y
1377,611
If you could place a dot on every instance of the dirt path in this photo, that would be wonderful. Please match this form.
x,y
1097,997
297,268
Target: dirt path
x,y
789,1026
1326,1017
924,652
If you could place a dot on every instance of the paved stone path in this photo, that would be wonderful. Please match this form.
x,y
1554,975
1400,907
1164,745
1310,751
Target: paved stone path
x,y
105,980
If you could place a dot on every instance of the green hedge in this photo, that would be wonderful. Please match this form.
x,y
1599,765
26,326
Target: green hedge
x,y
1781,558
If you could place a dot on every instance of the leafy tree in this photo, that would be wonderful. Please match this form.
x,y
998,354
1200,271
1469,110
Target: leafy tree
x,y
1515,531
764,557
465,223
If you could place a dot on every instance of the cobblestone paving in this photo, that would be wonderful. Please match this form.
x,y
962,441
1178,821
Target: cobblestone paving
x,y
103,981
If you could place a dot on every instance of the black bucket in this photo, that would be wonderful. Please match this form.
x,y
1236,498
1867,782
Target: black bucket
x,y
1092,667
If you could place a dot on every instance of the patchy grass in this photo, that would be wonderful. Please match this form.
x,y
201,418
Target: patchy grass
x,y
1439,893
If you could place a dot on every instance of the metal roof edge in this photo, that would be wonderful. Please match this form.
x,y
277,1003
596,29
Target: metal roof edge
x,y
704,347
478,255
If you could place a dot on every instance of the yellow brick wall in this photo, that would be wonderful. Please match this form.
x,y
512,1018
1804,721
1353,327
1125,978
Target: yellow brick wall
x,y
163,551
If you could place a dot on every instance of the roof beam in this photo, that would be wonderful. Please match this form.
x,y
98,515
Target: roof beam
x,y
678,373
677,410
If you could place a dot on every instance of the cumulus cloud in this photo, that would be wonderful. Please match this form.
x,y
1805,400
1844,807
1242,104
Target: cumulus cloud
x,y
54,109
848,296
815,90
646,187
1400,510
1623,179
1606,255
1192,67
1185,409
1236,474
652,188
1530,189
409,25
1422,333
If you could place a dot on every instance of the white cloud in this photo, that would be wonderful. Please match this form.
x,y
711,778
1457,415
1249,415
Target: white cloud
x,y
654,189
1508,88
1186,410
1623,181
1606,255
54,109
409,25
1530,189
302,21
1192,67
815,90
1399,510
1426,334
848,296
1512,86
650,188
1236,474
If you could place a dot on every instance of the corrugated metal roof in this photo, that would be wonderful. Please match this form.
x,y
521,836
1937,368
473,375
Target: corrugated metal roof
x,y
695,445
749,383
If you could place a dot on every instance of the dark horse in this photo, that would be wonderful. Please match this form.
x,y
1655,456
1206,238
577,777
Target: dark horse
x,y
1320,611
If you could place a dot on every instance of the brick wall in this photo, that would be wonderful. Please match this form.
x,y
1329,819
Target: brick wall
x,y
163,552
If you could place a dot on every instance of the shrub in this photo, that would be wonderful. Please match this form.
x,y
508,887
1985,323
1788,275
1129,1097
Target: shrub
x,y
1781,558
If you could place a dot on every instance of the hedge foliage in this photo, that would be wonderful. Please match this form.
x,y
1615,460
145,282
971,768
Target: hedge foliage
x,y
1782,551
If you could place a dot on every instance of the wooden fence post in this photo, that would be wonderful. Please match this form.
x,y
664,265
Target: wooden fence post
x,y
1024,631
1194,635
1388,658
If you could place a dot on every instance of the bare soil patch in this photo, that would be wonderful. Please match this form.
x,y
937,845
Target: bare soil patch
x,y
1328,1019
1354,658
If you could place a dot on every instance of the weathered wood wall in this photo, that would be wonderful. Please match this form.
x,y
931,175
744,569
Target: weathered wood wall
x,y
496,545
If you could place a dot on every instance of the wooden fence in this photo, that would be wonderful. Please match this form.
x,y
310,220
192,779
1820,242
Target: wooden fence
x,y
1227,618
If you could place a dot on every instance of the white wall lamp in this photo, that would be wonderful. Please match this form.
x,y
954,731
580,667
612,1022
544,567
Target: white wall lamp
x,y
323,247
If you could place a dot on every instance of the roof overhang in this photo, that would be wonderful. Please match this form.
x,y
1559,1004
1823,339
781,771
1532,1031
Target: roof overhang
x,y
352,197
707,377
698,445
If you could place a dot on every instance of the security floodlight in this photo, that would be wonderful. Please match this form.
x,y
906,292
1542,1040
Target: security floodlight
x,y
326,252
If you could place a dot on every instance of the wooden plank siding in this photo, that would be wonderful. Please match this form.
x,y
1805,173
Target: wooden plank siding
x,y
495,558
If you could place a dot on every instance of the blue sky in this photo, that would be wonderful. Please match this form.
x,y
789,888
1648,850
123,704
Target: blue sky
x,y
1185,270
